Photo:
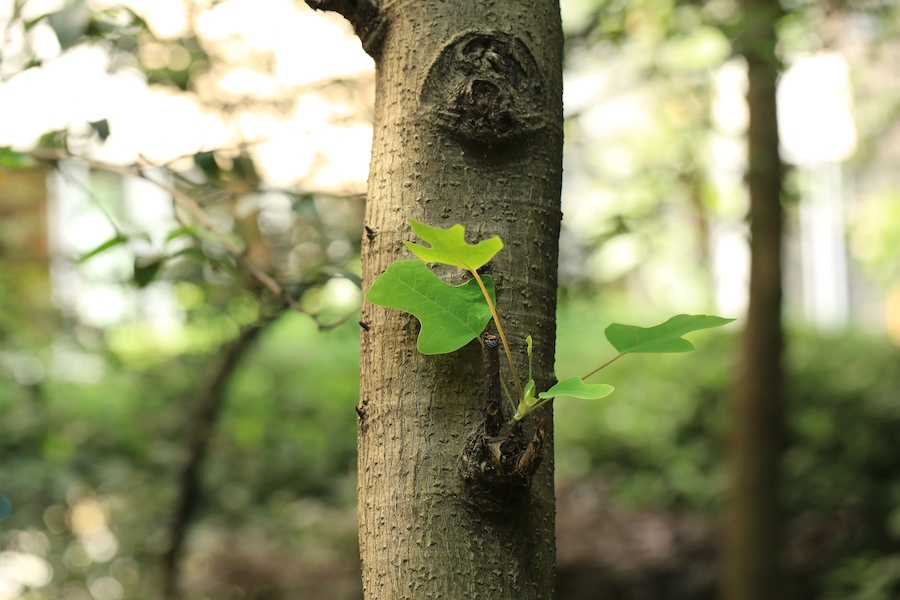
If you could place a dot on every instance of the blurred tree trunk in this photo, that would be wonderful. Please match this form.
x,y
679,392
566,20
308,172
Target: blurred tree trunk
x,y
25,274
208,404
468,129
751,569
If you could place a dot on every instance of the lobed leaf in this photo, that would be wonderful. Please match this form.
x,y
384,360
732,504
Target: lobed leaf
x,y
665,337
577,388
451,316
448,246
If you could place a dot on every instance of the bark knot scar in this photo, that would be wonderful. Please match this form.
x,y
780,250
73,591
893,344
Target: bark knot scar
x,y
496,469
485,88
496,464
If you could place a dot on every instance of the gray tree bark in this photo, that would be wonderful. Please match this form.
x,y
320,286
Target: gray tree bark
x,y
468,129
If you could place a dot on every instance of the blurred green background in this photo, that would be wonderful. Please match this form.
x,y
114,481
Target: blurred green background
x,y
119,312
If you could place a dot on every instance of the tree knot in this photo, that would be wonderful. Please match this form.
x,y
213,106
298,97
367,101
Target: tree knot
x,y
485,88
496,467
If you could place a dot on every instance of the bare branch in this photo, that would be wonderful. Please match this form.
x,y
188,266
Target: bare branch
x,y
365,16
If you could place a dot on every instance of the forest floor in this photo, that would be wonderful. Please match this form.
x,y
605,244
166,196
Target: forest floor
x,y
604,552
610,553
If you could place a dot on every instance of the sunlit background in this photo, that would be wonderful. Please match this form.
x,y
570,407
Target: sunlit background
x,y
117,305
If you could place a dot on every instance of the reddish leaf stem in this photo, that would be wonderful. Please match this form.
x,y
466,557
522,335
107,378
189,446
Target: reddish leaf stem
x,y
606,364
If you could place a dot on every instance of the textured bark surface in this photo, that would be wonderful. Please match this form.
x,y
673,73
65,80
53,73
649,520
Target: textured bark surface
x,y
468,129
753,530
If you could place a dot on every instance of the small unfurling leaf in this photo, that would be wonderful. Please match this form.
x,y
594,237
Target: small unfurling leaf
x,y
448,246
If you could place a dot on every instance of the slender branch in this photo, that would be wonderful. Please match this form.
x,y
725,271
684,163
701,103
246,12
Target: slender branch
x,y
192,207
200,431
508,395
604,365
75,181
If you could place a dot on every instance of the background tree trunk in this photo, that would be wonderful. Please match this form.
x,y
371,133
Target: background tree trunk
x,y
753,529
197,438
467,129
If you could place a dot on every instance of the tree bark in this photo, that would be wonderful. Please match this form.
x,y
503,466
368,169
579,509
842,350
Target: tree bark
x,y
467,129
751,568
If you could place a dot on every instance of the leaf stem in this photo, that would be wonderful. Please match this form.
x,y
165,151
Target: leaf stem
x,y
606,364
508,395
534,408
512,366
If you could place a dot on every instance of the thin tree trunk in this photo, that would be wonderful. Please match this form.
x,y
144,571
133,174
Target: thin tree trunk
x,y
753,527
201,427
468,129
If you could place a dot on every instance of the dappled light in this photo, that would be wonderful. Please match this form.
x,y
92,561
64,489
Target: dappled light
x,y
183,188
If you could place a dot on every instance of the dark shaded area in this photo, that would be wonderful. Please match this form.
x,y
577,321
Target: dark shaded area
x,y
607,553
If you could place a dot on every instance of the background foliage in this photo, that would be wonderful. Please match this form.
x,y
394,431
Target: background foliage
x,y
96,403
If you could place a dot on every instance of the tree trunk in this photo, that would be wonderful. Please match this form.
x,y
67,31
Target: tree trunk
x,y
468,129
753,530
200,430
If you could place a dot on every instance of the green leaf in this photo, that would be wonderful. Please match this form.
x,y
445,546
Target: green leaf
x,y
665,337
70,24
242,166
206,162
145,272
15,160
110,243
181,231
577,388
190,252
451,316
101,128
448,246
304,204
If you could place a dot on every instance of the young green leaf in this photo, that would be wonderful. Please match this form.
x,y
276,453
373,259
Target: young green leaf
x,y
451,316
448,246
665,337
575,387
